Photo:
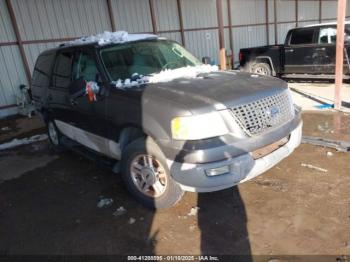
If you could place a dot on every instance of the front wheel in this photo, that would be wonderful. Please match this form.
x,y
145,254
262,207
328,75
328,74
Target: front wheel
x,y
147,177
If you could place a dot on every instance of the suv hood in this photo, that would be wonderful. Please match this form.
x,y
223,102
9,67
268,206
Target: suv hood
x,y
216,91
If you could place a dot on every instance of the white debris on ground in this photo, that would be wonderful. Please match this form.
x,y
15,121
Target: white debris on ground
x,y
314,167
194,211
104,202
165,76
329,153
120,211
23,141
131,220
118,37
6,128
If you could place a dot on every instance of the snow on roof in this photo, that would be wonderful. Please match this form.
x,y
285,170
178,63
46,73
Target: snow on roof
x,y
111,38
165,76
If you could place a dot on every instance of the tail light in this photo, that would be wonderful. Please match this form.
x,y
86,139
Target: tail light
x,y
241,56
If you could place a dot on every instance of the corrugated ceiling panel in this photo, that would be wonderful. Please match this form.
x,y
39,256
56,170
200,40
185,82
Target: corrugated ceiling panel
x,y
300,24
133,15
248,36
282,30
45,19
199,14
203,43
271,34
285,11
308,10
11,74
167,15
271,12
247,12
172,36
6,31
225,11
32,51
329,9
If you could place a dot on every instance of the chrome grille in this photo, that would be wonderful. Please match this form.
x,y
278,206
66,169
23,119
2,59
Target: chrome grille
x,y
259,116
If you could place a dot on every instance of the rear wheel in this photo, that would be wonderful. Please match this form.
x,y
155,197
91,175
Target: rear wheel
x,y
147,176
55,136
260,69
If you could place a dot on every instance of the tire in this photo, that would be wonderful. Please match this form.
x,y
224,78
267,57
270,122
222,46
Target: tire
x,y
161,191
260,69
55,136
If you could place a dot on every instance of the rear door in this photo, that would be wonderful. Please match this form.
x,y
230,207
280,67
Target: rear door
x,y
324,55
299,50
58,93
325,52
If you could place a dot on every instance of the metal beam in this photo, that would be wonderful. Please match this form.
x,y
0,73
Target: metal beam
x,y
275,21
296,13
221,35
111,15
320,11
181,22
339,64
153,17
19,41
230,29
267,21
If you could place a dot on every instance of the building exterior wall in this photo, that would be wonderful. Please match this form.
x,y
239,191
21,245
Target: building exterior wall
x,y
44,24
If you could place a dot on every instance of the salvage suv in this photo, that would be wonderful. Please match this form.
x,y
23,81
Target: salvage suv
x,y
169,123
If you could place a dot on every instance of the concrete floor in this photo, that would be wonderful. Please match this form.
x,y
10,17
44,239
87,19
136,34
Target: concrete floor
x,y
48,205
322,92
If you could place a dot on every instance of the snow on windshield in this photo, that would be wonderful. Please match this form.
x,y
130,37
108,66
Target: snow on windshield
x,y
165,76
111,38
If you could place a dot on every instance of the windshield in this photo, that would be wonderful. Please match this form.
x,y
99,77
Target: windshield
x,y
145,58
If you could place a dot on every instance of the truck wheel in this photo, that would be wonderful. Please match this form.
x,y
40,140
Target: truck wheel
x,y
261,69
147,177
55,136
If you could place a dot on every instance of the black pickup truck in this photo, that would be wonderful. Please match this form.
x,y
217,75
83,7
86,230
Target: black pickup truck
x,y
308,52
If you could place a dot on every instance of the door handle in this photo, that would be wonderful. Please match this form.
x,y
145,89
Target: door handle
x,y
321,49
290,50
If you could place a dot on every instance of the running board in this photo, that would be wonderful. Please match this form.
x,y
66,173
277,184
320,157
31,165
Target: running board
x,y
101,160
309,76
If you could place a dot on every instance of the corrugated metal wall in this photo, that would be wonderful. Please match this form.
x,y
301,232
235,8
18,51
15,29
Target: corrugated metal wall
x,y
44,24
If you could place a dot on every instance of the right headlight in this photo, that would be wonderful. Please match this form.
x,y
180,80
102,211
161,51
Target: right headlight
x,y
198,126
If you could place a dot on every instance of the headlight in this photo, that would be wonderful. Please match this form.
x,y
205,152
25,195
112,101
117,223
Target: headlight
x,y
198,127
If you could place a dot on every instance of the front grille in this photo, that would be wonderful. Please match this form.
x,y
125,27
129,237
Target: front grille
x,y
259,116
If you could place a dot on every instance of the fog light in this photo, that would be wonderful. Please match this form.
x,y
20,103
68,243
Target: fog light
x,y
217,171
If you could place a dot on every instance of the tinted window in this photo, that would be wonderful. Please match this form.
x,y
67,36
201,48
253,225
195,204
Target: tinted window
x,y
85,67
42,70
61,77
302,36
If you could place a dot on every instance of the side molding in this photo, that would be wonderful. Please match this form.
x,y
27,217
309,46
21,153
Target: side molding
x,y
92,141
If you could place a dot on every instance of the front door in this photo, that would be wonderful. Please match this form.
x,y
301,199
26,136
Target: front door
x,y
299,51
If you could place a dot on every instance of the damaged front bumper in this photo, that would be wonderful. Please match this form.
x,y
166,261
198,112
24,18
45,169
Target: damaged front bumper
x,y
194,176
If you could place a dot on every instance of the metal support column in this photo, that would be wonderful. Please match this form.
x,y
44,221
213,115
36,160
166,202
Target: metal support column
x,y
339,64
19,40
221,35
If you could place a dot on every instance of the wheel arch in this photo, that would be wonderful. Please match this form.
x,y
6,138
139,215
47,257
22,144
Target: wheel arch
x,y
266,60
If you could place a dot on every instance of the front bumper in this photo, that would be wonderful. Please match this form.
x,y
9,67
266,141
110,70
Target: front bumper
x,y
192,177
